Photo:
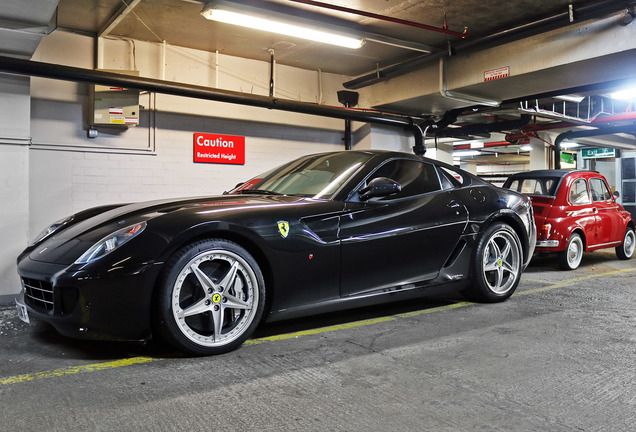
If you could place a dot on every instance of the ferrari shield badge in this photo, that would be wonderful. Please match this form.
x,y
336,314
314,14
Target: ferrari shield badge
x,y
283,228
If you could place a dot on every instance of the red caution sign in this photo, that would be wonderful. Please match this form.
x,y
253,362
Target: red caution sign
x,y
216,148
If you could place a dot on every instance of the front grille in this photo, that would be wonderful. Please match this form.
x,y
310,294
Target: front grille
x,y
38,294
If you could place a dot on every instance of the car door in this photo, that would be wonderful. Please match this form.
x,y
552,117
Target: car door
x,y
400,240
609,225
581,212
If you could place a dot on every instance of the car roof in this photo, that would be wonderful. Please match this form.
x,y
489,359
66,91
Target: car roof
x,y
559,173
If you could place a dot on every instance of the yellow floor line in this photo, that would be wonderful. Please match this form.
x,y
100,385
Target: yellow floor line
x,y
76,369
320,330
569,282
139,360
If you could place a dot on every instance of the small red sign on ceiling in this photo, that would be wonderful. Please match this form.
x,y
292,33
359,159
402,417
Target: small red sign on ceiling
x,y
495,74
216,148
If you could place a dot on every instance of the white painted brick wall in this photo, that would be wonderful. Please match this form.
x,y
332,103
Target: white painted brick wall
x,y
62,175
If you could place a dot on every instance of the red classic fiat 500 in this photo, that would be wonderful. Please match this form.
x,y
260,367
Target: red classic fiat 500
x,y
574,212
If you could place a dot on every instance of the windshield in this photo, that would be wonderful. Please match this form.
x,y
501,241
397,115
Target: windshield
x,y
545,186
317,176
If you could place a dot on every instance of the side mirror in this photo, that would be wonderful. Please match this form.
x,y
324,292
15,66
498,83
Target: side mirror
x,y
616,194
379,187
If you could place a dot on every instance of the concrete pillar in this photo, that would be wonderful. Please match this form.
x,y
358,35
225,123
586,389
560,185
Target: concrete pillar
x,y
470,167
15,115
538,154
443,152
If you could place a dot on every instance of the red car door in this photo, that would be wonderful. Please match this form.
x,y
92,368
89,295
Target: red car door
x,y
581,212
609,224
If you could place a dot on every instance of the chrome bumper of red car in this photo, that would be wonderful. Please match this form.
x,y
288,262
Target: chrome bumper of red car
x,y
547,243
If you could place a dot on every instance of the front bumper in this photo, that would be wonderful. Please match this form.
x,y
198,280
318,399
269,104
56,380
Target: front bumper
x,y
113,305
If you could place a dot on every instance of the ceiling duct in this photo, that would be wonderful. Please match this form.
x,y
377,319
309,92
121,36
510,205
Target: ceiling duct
x,y
23,23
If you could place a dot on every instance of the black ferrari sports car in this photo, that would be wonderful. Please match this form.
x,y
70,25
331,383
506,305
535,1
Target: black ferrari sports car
x,y
321,233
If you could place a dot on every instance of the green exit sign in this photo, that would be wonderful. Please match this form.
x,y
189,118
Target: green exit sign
x,y
598,153
568,158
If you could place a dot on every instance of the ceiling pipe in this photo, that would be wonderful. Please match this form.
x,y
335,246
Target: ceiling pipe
x,y
530,130
608,130
541,26
484,129
443,30
491,144
75,74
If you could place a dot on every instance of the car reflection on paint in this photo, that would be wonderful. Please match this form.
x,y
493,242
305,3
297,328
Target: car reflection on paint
x,y
321,233
575,212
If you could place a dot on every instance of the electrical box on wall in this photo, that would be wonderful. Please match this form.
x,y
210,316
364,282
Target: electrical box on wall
x,y
116,106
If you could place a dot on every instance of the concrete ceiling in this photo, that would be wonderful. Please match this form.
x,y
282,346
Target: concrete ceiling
x,y
179,22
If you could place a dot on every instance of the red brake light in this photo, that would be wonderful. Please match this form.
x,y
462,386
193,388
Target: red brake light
x,y
545,231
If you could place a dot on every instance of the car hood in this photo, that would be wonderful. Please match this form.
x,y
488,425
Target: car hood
x,y
133,213
64,245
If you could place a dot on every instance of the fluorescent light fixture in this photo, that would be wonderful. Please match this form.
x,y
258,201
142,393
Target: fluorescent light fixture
x,y
571,98
568,144
477,144
275,25
466,153
624,94
525,148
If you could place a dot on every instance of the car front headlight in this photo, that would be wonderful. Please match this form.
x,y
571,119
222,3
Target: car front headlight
x,y
52,229
110,243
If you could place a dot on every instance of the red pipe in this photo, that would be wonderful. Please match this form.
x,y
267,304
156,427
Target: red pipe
x,y
530,131
489,144
382,17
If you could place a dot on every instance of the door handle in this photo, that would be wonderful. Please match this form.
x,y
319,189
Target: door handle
x,y
454,204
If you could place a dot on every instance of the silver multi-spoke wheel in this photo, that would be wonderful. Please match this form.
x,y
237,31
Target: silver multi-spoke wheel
x,y
626,249
570,258
501,262
497,264
213,297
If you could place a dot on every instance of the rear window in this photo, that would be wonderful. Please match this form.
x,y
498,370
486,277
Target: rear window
x,y
544,186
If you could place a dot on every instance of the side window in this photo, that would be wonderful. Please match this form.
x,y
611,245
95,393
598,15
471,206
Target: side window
x,y
600,191
415,177
579,193
450,178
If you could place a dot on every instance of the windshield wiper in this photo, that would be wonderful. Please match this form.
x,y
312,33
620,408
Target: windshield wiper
x,y
257,192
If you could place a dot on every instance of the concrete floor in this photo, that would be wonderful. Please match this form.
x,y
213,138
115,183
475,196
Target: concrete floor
x,y
560,355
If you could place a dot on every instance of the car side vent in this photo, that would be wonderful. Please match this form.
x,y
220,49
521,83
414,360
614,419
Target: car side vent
x,y
456,252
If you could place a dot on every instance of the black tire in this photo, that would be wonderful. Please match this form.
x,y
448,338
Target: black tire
x,y
497,264
626,249
211,297
570,258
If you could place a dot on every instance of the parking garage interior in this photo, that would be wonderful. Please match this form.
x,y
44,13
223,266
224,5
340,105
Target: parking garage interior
x,y
101,102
